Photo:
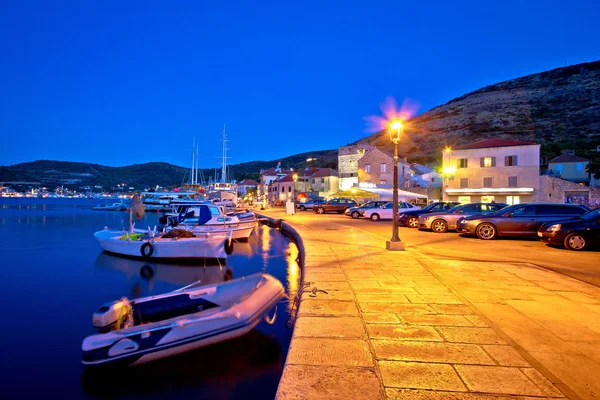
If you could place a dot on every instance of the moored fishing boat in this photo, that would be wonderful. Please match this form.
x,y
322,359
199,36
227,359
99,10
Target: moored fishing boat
x,y
111,207
165,246
194,316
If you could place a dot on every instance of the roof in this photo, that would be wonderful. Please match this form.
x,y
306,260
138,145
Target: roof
x,y
323,172
287,178
487,143
567,158
273,171
248,182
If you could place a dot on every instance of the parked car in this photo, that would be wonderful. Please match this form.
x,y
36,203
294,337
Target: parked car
x,y
574,234
411,218
522,220
309,205
441,222
357,212
386,210
335,205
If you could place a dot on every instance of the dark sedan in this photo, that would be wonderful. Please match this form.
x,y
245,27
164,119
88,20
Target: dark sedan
x,y
411,218
357,212
338,205
574,234
521,220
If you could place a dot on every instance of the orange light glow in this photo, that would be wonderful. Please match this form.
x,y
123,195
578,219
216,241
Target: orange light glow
x,y
448,149
391,111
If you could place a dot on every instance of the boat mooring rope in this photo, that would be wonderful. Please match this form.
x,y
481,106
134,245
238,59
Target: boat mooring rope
x,y
271,320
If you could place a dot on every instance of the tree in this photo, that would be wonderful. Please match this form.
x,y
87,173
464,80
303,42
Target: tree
x,y
593,168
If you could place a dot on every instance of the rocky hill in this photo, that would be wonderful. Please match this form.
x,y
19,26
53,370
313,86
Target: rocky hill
x,y
75,175
558,109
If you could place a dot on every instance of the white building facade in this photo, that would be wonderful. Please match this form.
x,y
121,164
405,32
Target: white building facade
x,y
498,170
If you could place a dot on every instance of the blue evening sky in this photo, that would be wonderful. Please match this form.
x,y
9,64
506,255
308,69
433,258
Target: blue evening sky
x,y
122,82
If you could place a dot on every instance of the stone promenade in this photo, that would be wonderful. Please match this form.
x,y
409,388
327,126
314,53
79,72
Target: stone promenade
x,y
376,324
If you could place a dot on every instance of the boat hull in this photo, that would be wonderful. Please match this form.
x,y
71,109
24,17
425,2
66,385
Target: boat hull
x,y
153,341
240,231
202,247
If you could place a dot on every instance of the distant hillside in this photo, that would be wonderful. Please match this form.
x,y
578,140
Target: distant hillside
x,y
139,176
558,109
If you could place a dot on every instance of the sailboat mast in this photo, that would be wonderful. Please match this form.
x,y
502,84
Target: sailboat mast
x,y
224,163
193,160
197,163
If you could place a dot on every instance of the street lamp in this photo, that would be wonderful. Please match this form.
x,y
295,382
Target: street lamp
x,y
448,171
295,178
395,128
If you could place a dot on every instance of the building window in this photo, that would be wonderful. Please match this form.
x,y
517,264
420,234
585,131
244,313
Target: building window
x,y
368,168
512,181
510,200
464,183
463,163
384,167
487,199
464,199
289,189
510,161
486,162
314,181
322,180
487,182
383,182
579,166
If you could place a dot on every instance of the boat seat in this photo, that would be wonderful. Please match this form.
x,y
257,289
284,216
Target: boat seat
x,y
169,307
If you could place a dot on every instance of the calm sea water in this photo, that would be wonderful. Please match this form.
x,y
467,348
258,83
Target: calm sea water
x,y
53,277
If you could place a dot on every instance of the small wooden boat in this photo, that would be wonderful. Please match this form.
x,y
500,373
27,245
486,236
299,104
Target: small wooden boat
x,y
194,316
165,246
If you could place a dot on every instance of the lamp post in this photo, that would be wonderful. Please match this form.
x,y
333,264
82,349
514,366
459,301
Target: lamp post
x,y
295,178
448,171
395,128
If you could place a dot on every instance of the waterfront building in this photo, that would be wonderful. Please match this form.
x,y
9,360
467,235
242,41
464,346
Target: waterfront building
x,y
348,157
500,170
377,167
243,186
569,167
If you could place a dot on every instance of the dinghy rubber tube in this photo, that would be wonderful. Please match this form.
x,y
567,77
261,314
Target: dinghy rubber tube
x,y
147,253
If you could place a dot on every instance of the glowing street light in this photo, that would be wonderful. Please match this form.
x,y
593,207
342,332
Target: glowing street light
x,y
395,128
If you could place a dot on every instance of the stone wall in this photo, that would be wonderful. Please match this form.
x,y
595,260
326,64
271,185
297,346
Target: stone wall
x,y
557,190
375,158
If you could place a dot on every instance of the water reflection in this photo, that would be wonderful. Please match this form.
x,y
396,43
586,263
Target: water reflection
x,y
175,274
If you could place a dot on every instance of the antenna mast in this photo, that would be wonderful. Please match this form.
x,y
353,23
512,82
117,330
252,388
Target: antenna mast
x,y
224,161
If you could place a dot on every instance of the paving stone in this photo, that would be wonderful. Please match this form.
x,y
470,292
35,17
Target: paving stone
x,y
403,332
438,319
420,376
434,299
502,380
342,327
433,290
330,286
397,308
327,307
453,309
415,394
380,298
327,351
457,334
452,353
304,382
476,320
380,318
318,277
330,295
506,356
543,383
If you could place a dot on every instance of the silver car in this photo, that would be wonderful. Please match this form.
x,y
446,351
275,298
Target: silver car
x,y
441,222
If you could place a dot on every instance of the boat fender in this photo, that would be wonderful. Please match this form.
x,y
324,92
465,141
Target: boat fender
x,y
229,245
147,249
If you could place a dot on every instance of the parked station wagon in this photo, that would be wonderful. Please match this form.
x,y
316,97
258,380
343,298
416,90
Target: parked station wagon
x,y
521,220
441,222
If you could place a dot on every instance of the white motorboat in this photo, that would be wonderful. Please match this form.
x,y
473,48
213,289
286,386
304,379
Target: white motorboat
x,y
165,246
111,207
202,218
194,316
